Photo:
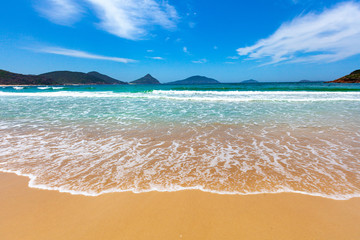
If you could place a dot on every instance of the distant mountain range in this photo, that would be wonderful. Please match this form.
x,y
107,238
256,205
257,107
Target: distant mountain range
x,y
92,78
353,77
195,80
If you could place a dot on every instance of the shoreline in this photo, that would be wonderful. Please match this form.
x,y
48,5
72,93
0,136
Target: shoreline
x,y
31,178
28,213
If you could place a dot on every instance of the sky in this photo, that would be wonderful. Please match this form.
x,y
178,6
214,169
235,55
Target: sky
x,y
229,40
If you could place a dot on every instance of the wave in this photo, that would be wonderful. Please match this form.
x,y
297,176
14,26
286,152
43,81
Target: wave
x,y
222,160
225,96
273,87
189,92
18,88
47,87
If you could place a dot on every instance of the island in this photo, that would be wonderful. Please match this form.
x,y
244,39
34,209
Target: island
x,y
195,80
250,81
353,77
147,79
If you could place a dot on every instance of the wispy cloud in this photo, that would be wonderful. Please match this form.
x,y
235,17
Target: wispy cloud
x,y
326,37
200,61
233,57
156,58
63,12
128,19
81,54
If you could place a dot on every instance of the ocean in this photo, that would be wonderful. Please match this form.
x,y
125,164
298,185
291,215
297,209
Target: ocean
x,y
223,138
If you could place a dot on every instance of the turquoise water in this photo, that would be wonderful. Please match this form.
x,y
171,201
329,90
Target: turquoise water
x,y
226,138
315,86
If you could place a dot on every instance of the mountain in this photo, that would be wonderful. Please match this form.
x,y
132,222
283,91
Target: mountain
x,y
9,78
105,78
196,80
250,81
147,79
67,77
353,77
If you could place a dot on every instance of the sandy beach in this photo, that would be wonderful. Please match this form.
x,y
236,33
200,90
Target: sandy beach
x,y
27,213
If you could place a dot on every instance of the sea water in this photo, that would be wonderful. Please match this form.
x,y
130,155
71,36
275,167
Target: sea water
x,y
223,138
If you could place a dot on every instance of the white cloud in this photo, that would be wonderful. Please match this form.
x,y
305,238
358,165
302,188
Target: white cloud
x,y
200,61
63,12
156,58
233,57
186,50
130,19
81,54
150,50
329,36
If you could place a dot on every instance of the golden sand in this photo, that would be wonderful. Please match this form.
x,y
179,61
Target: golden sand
x,y
27,213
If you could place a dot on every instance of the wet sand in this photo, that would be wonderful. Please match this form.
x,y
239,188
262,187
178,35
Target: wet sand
x,y
27,213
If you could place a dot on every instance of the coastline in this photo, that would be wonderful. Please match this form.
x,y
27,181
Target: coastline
x,y
31,184
28,213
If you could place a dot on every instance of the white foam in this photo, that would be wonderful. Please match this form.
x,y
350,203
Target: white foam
x,y
18,88
175,188
188,92
232,96
144,164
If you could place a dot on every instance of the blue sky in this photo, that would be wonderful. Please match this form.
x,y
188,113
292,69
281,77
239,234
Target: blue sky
x,y
230,40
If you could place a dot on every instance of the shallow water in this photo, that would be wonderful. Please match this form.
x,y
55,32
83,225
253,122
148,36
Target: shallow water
x,y
228,138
